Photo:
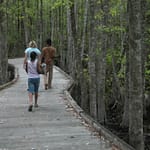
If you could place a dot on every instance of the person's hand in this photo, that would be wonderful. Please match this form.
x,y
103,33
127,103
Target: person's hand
x,y
24,66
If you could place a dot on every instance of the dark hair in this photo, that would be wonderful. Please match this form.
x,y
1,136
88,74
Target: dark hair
x,y
48,41
33,56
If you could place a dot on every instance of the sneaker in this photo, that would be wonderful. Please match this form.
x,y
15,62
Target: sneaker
x,y
30,108
46,86
36,105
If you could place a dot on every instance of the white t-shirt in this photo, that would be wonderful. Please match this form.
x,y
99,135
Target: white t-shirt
x,y
32,69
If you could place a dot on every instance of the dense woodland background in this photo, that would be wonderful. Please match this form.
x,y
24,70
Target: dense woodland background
x,y
103,44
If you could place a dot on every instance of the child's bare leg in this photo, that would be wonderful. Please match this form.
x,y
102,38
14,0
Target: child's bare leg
x,y
36,98
30,101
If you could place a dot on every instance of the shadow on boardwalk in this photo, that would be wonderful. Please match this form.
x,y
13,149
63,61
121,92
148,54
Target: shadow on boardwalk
x,y
52,126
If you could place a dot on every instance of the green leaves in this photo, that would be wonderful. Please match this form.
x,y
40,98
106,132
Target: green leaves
x,y
110,29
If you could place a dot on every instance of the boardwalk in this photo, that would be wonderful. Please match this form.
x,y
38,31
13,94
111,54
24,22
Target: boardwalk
x,y
52,126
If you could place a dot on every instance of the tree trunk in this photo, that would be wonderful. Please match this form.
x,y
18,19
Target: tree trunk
x,y
135,76
25,21
41,24
84,73
125,117
70,43
92,56
101,65
3,49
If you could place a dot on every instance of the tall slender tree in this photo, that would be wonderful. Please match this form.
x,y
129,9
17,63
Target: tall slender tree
x,y
83,57
3,49
135,75
25,23
92,56
101,62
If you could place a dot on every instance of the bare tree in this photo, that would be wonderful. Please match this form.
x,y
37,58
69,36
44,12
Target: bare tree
x,y
101,62
84,69
25,22
3,49
135,75
92,56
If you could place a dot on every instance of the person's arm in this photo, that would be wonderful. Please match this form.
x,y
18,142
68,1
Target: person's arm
x,y
53,54
39,58
25,61
38,55
39,69
42,56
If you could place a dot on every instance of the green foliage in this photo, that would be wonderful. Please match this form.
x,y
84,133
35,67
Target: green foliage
x,y
112,29
86,75
120,66
54,4
115,8
109,59
147,73
99,15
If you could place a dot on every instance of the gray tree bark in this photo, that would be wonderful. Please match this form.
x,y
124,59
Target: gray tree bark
x,y
135,76
101,63
92,56
84,73
26,31
70,43
3,48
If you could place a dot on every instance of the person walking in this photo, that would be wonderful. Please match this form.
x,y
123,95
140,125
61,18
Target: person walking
x,y
32,47
47,57
33,65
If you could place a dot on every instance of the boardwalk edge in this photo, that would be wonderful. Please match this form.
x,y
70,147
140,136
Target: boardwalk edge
x,y
115,141
12,81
